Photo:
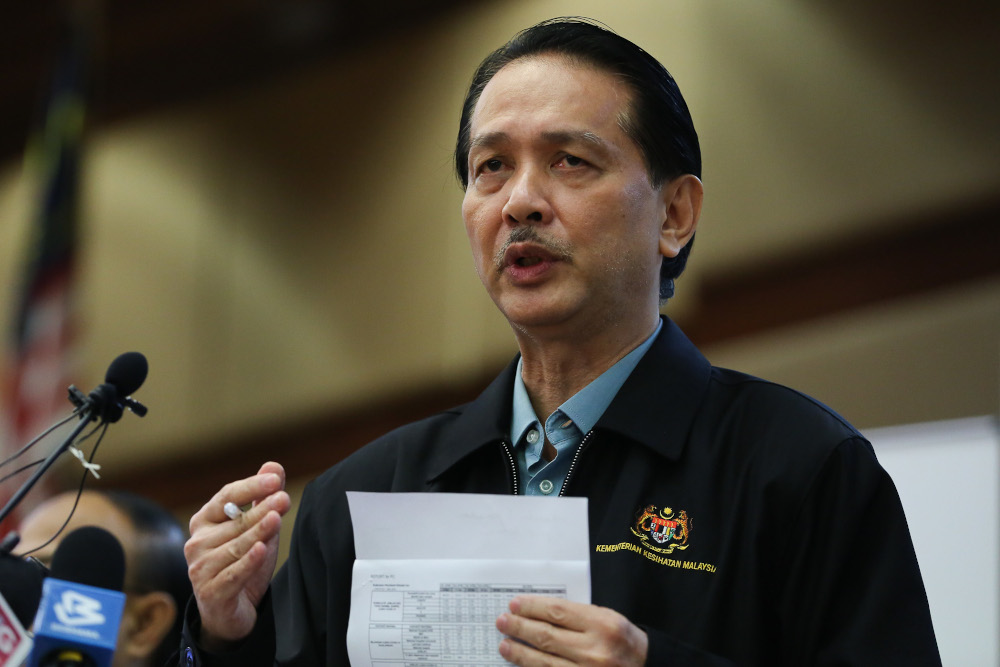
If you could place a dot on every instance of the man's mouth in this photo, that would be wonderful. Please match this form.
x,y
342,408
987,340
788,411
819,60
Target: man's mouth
x,y
525,255
526,249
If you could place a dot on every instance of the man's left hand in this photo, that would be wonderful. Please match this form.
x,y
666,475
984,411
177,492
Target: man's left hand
x,y
552,631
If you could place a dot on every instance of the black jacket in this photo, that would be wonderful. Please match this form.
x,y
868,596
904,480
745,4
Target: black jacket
x,y
737,521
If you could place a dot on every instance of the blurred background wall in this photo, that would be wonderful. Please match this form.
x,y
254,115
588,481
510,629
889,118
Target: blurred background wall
x,y
269,214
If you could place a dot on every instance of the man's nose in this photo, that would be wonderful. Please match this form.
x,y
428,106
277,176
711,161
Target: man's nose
x,y
528,201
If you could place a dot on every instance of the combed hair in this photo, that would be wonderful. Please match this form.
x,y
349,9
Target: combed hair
x,y
658,120
159,563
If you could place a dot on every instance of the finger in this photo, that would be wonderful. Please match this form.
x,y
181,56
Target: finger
x,y
582,633
242,492
208,554
272,468
233,576
210,535
556,611
258,525
518,653
541,637
230,596
275,468
279,502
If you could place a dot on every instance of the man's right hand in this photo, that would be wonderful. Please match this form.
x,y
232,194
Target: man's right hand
x,y
231,561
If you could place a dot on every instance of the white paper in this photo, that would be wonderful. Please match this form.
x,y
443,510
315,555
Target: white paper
x,y
434,570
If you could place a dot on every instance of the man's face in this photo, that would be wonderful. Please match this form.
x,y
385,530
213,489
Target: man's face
x,y
563,220
92,510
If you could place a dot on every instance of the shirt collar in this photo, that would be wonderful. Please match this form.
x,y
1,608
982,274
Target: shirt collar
x,y
656,406
586,406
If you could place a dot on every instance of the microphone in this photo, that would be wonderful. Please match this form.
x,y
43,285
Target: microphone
x,y
20,581
127,372
15,643
82,602
107,401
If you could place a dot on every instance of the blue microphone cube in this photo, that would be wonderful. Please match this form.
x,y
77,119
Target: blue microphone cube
x,y
77,617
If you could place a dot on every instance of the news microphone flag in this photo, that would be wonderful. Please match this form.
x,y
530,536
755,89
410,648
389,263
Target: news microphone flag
x,y
82,602
14,641
77,617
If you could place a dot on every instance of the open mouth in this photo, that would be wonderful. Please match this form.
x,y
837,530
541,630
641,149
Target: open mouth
x,y
525,256
528,255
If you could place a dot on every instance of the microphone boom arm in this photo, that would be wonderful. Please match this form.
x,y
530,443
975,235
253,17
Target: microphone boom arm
x,y
125,374
85,418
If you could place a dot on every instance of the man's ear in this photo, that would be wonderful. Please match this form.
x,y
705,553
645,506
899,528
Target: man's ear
x,y
147,620
682,198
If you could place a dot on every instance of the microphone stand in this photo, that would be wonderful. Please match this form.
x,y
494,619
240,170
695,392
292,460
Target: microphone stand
x,y
97,405
86,415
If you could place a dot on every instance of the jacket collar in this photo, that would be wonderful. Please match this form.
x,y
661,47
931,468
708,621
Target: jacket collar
x,y
659,401
656,406
483,421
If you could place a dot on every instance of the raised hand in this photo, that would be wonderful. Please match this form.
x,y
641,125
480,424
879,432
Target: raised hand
x,y
231,561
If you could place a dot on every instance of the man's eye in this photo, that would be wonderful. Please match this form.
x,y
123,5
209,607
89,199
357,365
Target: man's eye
x,y
573,161
492,165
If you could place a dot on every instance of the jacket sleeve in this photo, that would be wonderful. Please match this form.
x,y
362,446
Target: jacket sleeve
x,y
302,590
852,592
293,609
665,651
257,650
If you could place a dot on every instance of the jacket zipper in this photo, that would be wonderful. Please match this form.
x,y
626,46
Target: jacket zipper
x,y
513,464
572,464
569,473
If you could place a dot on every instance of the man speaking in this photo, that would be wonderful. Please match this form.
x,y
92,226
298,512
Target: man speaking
x,y
733,521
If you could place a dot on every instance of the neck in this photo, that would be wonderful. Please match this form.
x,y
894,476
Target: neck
x,y
554,368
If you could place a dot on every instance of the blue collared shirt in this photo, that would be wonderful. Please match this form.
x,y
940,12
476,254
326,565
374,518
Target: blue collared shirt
x,y
565,427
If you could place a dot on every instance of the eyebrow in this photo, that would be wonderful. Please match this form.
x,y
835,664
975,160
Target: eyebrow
x,y
553,137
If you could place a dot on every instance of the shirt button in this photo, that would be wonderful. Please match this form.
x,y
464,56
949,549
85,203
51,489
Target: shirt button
x,y
546,486
532,436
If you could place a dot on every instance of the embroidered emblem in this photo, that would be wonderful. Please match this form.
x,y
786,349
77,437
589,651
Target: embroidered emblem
x,y
660,533
668,529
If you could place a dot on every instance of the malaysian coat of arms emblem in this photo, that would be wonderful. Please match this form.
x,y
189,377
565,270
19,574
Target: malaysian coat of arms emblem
x,y
668,530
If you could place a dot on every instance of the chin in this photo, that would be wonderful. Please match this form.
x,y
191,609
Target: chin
x,y
541,306
536,316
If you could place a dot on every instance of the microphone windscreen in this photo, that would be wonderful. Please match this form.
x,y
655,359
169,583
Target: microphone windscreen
x,y
21,586
127,372
91,556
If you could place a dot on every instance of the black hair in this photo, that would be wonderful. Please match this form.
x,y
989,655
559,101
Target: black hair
x,y
158,563
658,120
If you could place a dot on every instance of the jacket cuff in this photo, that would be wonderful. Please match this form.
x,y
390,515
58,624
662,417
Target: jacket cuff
x,y
256,650
665,651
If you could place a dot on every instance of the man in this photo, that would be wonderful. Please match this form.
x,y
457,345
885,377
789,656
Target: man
x,y
156,582
733,521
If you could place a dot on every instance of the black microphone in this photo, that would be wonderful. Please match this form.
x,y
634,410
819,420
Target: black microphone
x,y
82,602
127,372
107,401
20,581
20,592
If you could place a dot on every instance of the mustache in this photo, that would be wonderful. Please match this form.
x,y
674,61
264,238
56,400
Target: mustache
x,y
529,234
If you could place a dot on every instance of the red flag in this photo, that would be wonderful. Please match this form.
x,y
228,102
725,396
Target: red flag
x,y
39,355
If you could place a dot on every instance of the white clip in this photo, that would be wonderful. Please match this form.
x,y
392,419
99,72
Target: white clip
x,y
92,467
232,510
